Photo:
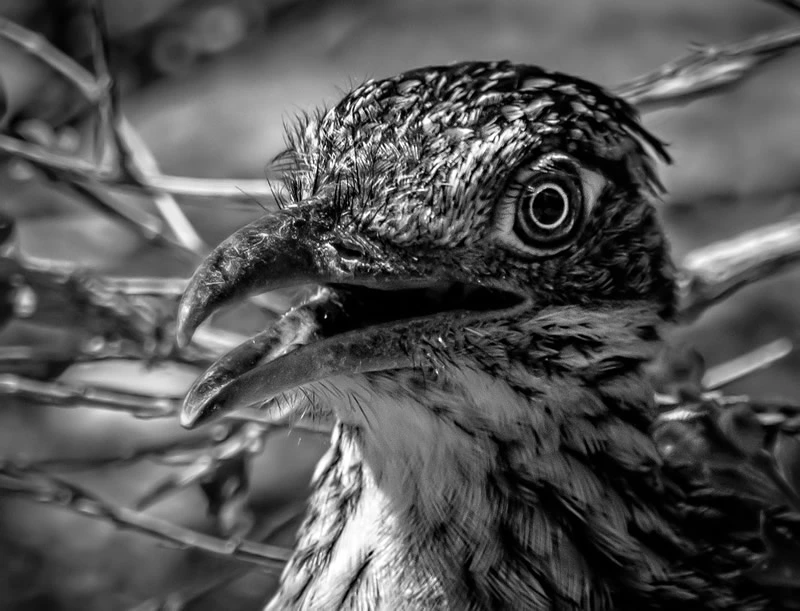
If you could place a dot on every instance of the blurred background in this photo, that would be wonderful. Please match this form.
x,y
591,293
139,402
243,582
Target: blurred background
x,y
209,86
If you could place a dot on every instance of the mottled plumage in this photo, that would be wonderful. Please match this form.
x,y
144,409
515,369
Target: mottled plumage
x,y
481,347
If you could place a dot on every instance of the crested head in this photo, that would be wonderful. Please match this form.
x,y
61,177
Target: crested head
x,y
495,279
431,162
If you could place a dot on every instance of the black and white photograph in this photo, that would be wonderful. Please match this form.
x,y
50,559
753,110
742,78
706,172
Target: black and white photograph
x,y
399,305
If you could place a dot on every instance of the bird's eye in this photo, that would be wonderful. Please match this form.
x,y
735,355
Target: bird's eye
x,y
545,211
545,205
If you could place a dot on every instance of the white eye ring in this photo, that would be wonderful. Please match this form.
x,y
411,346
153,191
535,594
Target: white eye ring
x,y
530,198
521,230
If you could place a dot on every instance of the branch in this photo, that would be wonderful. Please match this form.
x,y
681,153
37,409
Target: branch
x,y
39,47
706,70
183,595
128,150
68,395
175,452
66,296
71,167
39,486
742,366
245,441
714,272
96,90
147,407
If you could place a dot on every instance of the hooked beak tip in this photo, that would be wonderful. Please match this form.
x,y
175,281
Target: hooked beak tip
x,y
187,420
192,416
185,324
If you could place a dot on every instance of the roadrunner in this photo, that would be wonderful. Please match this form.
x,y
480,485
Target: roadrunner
x,y
494,278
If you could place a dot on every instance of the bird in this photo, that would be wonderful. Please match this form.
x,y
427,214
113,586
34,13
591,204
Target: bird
x,y
494,279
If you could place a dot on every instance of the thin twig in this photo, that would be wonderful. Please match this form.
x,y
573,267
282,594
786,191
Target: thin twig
x,y
95,90
128,150
139,161
107,136
72,395
179,452
175,452
746,364
74,168
706,70
218,579
70,296
168,287
40,486
148,227
147,407
236,189
246,440
39,47
714,272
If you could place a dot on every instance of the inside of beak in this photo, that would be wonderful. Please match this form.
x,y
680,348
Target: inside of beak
x,y
370,319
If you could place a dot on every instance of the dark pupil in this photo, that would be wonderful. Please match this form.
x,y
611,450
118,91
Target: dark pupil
x,y
547,206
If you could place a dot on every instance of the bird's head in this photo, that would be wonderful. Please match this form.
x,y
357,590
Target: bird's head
x,y
446,210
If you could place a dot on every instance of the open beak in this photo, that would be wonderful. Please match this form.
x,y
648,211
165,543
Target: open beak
x,y
377,308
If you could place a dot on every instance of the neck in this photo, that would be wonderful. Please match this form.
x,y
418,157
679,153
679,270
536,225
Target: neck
x,y
506,484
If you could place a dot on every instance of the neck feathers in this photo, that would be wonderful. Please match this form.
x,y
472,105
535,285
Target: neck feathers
x,y
527,480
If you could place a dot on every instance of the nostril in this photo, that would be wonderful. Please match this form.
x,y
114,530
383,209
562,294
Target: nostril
x,y
349,251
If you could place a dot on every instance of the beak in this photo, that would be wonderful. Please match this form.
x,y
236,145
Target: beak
x,y
290,247
283,249
381,306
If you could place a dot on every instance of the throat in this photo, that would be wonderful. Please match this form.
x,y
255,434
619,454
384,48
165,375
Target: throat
x,y
478,490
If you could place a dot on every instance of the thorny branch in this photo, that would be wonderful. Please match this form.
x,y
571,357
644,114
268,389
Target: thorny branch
x,y
245,441
113,145
145,407
94,89
133,158
714,272
184,594
706,70
38,485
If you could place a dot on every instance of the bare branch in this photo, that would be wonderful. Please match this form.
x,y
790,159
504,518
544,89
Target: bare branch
x,y
239,189
139,161
73,168
81,176
706,70
68,166
108,141
147,407
175,452
39,486
149,286
712,273
247,439
68,296
66,395
185,594
39,47
746,364
129,152
96,90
